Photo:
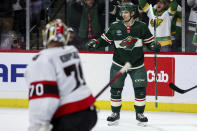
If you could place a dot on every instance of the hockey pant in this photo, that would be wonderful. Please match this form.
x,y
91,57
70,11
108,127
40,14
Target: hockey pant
x,y
139,79
83,120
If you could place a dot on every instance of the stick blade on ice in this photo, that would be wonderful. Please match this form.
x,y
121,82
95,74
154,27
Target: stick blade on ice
x,y
174,87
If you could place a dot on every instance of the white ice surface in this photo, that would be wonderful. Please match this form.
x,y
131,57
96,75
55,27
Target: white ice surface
x,y
17,120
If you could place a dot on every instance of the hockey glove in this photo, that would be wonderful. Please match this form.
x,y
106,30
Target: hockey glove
x,y
155,47
91,45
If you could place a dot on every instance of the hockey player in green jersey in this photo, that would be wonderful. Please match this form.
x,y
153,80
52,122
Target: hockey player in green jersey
x,y
128,37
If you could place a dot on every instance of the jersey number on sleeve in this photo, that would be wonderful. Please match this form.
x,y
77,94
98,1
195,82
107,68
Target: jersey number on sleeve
x,y
78,74
37,90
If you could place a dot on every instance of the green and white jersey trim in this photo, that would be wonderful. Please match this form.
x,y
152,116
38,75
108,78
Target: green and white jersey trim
x,y
106,39
132,68
149,40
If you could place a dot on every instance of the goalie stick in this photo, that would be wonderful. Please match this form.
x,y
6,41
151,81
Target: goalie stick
x,y
177,89
122,70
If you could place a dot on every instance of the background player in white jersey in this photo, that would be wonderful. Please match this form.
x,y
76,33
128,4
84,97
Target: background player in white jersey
x,y
163,13
58,95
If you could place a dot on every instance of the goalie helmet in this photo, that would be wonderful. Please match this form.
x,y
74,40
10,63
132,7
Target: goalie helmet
x,y
130,7
56,31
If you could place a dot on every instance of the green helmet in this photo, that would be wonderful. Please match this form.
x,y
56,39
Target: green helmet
x,y
130,7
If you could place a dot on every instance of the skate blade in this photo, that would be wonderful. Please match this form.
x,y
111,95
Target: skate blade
x,y
114,123
143,124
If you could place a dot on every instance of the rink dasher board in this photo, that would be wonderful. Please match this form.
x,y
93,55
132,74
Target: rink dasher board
x,y
96,68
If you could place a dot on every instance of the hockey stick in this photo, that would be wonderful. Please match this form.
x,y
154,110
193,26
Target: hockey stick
x,y
174,87
156,96
122,70
155,55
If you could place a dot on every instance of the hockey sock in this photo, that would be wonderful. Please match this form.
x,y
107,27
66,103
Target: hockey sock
x,y
140,99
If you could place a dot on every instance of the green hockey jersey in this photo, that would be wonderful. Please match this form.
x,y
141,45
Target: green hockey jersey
x,y
128,42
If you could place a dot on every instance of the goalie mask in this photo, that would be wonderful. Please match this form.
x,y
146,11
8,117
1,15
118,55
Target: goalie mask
x,y
130,7
56,31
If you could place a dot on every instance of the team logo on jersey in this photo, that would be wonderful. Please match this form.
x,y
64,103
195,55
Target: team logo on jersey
x,y
128,43
119,32
158,22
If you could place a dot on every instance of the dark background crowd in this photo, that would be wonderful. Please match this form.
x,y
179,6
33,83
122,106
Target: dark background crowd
x,y
87,18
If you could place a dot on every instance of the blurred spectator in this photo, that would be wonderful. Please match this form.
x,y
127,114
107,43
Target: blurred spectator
x,y
90,24
6,19
46,10
74,9
75,40
116,10
191,25
36,6
7,40
16,44
142,16
163,11
39,10
12,41
19,25
176,30
87,18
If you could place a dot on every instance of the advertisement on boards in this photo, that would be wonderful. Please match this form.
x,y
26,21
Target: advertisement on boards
x,y
12,71
165,75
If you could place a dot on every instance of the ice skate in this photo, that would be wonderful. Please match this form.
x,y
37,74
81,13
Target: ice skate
x,y
142,120
113,120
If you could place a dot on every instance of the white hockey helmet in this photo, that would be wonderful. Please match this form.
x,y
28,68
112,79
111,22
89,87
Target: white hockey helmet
x,y
56,31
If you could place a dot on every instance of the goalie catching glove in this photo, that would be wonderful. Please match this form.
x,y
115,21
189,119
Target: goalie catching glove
x,y
155,47
92,45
